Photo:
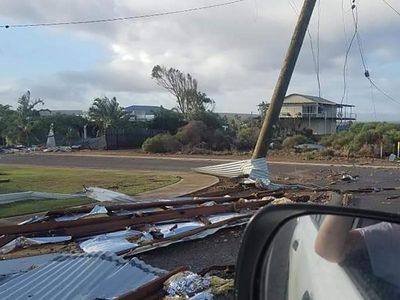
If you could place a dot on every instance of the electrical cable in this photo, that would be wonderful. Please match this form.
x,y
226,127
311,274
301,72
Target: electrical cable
x,y
345,47
346,58
122,18
314,56
318,48
392,7
373,100
363,59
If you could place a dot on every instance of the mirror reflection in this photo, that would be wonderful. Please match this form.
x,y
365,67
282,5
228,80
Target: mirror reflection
x,y
334,257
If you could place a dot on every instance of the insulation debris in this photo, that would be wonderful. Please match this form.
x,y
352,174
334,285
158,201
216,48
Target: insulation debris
x,y
186,284
220,286
282,200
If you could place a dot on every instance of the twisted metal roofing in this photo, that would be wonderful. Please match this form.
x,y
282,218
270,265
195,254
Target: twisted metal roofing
x,y
83,276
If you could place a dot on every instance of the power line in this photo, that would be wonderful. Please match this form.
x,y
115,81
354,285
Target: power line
x,y
363,59
394,9
318,48
346,58
314,56
123,18
373,100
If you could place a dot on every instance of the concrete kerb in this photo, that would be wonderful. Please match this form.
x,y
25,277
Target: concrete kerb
x,y
189,183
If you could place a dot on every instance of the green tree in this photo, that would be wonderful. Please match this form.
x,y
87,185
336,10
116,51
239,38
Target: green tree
x,y
26,118
7,123
184,88
107,113
168,120
67,128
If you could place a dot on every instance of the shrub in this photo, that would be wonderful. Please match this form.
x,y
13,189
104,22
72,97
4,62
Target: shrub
x,y
193,133
310,156
220,140
161,143
367,151
327,152
247,138
295,140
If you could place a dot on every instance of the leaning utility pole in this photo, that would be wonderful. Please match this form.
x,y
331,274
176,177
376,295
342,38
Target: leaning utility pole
x,y
272,115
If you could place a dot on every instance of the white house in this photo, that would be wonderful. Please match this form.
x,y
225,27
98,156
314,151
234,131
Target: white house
x,y
142,112
318,114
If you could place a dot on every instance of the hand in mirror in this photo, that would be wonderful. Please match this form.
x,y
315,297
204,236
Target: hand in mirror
x,y
334,257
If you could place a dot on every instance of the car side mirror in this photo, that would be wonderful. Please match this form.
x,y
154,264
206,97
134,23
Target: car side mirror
x,y
305,251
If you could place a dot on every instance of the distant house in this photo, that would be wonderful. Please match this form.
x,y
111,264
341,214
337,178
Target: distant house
x,y
318,114
141,112
68,112
239,116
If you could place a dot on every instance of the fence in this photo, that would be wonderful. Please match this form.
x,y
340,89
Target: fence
x,y
128,138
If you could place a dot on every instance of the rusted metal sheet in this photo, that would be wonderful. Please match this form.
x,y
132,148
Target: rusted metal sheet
x,y
4,240
174,202
93,229
86,227
53,225
152,289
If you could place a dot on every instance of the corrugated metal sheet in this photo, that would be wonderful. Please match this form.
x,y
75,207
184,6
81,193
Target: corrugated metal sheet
x,y
253,168
83,276
22,196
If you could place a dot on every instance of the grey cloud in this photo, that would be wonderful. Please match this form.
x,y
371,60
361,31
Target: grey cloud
x,y
235,52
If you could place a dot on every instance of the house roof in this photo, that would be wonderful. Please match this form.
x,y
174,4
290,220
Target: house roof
x,y
299,98
148,109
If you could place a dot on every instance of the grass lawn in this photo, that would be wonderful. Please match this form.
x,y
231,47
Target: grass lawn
x,y
70,180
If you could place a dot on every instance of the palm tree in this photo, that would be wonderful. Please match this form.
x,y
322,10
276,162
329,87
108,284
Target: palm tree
x,y
107,114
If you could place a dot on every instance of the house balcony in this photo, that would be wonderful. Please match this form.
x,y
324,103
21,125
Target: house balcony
x,y
348,116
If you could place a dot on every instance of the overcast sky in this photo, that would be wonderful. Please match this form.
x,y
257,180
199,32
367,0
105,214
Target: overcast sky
x,y
235,52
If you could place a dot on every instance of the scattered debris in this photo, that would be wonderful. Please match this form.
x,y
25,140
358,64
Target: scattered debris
x,y
254,170
282,200
58,149
23,242
22,196
220,286
349,178
102,195
304,147
111,242
393,197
